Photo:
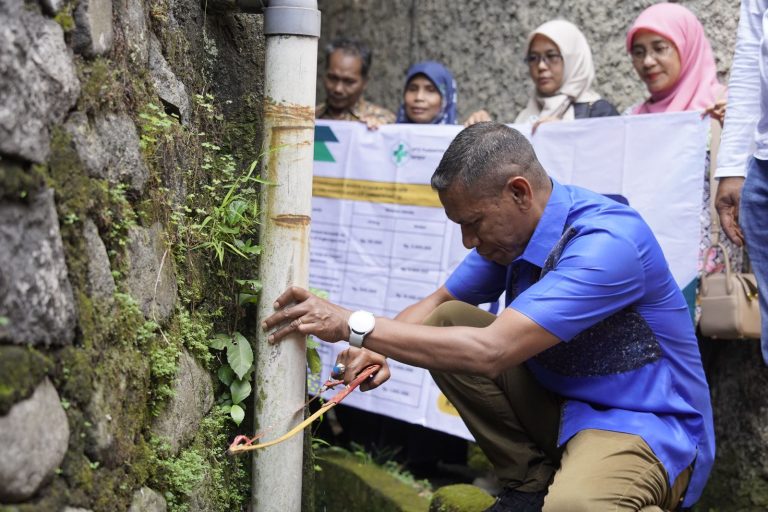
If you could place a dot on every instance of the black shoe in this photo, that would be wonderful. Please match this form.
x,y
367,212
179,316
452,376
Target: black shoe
x,y
512,500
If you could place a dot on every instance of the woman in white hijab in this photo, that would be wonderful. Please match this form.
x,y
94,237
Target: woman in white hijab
x,y
560,64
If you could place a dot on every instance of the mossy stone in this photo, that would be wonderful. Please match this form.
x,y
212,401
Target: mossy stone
x,y
18,183
734,486
21,370
344,479
460,498
476,459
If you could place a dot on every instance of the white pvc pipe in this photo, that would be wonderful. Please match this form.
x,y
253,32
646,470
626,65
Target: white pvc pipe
x,y
280,376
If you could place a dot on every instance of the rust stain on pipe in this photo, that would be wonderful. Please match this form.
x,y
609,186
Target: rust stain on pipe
x,y
289,112
292,220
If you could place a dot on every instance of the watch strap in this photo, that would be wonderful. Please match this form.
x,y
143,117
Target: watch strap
x,y
356,338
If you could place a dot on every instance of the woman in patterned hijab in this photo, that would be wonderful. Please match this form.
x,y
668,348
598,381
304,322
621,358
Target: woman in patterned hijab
x,y
429,96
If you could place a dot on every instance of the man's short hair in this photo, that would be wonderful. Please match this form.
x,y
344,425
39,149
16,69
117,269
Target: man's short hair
x,y
351,46
487,154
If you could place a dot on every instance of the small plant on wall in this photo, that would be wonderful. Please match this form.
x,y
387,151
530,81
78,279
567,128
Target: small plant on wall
x,y
235,373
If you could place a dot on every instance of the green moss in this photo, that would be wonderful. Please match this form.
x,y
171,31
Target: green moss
x,y
75,375
244,140
183,474
477,460
75,196
460,498
100,489
21,370
163,363
66,20
343,479
54,496
64,17
101,86
202,469
16,182
74,191
734,485
103,479
193,331
78,470
228,483
113,489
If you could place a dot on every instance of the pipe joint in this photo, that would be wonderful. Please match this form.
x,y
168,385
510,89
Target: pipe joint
x,y
288,17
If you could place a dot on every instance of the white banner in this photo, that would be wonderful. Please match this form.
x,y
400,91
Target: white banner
x,y
380,240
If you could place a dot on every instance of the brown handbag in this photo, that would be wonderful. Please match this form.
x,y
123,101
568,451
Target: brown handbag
x,y
729,305
729,308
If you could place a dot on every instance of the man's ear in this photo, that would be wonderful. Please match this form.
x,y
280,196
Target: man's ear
x,y
520,190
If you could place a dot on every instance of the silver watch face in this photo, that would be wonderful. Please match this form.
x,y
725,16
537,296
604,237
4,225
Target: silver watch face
x,y
361,322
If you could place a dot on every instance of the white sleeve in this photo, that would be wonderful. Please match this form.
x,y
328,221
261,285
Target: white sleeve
x,y
743,110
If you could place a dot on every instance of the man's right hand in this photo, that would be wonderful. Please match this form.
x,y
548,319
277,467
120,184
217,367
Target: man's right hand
x,y
727,205
373,123
356,360
479,116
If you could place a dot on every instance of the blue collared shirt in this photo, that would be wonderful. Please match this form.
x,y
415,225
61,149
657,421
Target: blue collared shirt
x,y
594,275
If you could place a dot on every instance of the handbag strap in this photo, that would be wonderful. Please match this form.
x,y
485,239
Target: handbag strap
x,y
714,145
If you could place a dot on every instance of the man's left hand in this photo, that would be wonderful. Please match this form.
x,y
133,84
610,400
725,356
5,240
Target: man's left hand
x,y
356,360
302,311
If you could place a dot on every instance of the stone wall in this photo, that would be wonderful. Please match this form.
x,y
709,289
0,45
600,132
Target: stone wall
x,y
483,44
121,121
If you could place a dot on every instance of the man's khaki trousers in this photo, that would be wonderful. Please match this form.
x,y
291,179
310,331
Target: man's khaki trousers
x,y
515,422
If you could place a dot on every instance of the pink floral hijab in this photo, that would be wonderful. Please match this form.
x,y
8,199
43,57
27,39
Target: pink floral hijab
x,y
697,88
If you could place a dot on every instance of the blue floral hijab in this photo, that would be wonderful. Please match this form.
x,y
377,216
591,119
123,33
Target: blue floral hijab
x,y
443,80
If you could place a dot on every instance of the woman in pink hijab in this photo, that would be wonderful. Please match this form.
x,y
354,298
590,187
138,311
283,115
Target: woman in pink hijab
x,y
673,58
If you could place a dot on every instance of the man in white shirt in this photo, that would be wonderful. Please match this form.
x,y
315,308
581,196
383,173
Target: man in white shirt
x,y
743,202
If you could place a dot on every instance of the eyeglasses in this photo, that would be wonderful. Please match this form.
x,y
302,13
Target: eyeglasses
x,y
639,53
550,58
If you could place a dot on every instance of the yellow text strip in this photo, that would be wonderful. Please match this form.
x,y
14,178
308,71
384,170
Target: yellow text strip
x,y
375,191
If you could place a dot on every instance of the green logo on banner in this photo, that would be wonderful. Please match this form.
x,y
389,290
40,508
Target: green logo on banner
x,y
323,135
400,153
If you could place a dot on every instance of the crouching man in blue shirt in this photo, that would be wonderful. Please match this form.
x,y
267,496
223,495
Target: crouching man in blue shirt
x,y
587,393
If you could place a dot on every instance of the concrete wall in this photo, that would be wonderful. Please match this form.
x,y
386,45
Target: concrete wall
x,y
483,43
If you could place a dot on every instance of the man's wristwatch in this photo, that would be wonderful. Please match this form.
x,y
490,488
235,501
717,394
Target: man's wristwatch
x,y
360,324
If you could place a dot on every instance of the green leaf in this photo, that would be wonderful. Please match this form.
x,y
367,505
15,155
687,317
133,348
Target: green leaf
x,y
247,247
251,249
237,413
236,250
323,294
226,375
240,390
228,230
312,342
239,355
314,361
219,341
253,284
247,298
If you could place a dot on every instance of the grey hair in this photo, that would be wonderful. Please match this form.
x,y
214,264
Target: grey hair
x,y
487,154
350,46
